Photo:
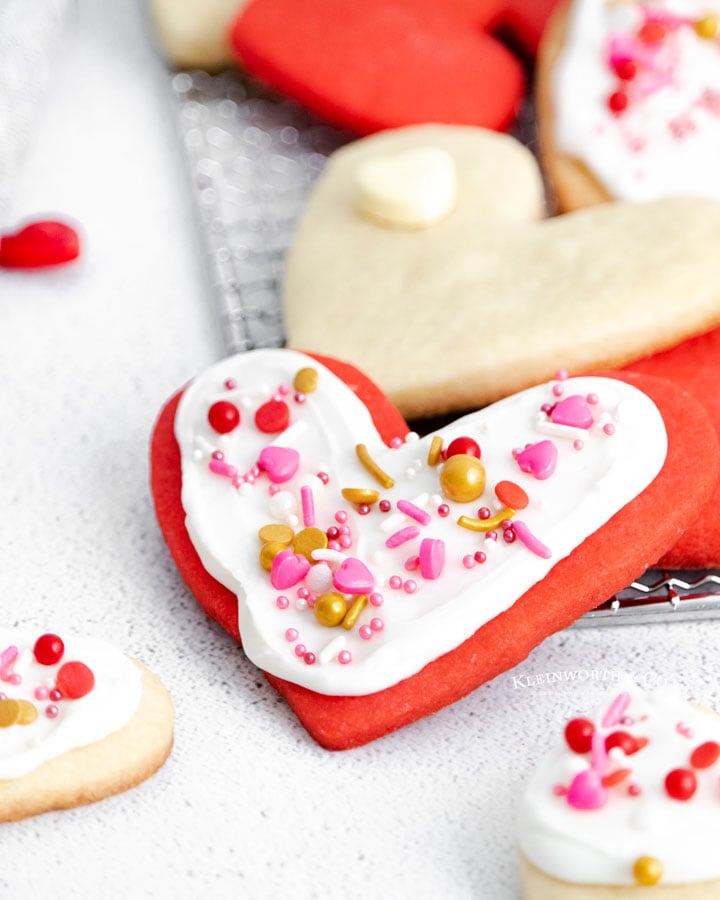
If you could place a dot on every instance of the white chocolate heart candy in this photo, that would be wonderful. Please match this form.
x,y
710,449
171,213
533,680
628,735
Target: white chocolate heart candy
x,y
411,189
401,614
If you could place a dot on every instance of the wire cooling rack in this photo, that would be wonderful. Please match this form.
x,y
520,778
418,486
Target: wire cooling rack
x,y
252,158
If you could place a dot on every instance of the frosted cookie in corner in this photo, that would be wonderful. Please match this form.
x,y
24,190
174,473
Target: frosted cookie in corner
x,y
627,801
629,100
79,721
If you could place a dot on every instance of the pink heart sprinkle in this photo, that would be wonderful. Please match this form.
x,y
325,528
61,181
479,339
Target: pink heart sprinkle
x,y
538,460
573,410
353,577
280,463
586,791
287,570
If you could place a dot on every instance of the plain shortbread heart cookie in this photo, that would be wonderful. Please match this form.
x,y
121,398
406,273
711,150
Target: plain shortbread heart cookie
x,y
375,584
492,298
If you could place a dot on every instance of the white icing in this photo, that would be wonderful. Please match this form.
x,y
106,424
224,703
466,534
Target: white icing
x,y
442,613
601,846
639,155
110,705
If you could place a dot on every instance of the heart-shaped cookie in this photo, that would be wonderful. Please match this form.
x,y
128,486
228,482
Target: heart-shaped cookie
x,y
489,300
384,63
80,722
628,100
423,580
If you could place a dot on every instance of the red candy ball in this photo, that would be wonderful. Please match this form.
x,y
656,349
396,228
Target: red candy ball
x,y
578,734
680,784
705,755
223,416
273,417
626,742
75,680
626,69
48,649
617,102
463,445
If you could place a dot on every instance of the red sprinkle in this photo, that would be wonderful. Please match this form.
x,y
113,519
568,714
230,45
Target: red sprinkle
x,y
705,755
626,69
626,742
39,244
48,649
617,102
511,494
464,445
75,680
652,32
223,416
578,734
616,777
680,784
273,417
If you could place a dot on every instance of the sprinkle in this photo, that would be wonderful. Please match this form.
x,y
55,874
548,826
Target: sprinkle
x,y
402,536
616,710
485,524
308,506
353,614
383,479
536,546
414,512
410,586
334,650
360,496
432,558
555,429
435,452
328,555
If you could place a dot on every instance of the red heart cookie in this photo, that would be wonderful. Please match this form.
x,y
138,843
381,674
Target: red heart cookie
x,y
423,583
374,65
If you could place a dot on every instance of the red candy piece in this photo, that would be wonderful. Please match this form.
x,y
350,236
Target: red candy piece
x,y
680,784
511,494
463,445
39,244
223,416
626,742
75,680
578,734
273,416
617,102
48,649
384,63
705,755
616,777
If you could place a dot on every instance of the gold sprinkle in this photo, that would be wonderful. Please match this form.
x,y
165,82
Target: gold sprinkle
x,y
306,380
353,614
707,27
361,495
330,609
307,540
276,534
269,552
436,446
28,712
647,871
383,479
486,524
9,713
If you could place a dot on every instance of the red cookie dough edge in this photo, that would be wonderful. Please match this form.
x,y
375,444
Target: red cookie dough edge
x,y
634,539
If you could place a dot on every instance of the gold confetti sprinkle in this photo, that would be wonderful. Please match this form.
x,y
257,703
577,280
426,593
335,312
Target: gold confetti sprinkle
x,y
307,540
382,478
9,712
306,380
276,534
28,712
360,495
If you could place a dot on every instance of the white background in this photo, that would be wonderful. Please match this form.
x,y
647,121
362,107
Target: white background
x,y
247,805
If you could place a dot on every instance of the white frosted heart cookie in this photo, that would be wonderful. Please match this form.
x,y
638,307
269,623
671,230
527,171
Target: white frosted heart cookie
x,y
627,801
628,98
490,298
79,721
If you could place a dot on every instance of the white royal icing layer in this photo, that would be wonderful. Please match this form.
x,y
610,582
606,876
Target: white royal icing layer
x,y
601,846
665,143
588,487
107,708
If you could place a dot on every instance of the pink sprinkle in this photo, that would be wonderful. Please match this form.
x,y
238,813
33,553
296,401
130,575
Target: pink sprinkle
x,y
334,545
303,593
300,650
55,695
291,635
395,582
377,624
344,657
410,586
592,399
376,599
578,444
7,658
484,512
491,536
365,632
558,390
384,506
468,561
412,563
41,692
341,517
300,398
443,510
534,545
284,390
363,509
634,790
324,477
51,711
15,679
396,443
344,529
684,730
616,710
309,659
230,384
308,506
432,558
559,790
345,541
402,536
480,557
273,489
609,429
414,512
282,602
561,375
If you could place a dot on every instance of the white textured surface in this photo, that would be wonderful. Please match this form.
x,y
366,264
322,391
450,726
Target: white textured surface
x,y
247,806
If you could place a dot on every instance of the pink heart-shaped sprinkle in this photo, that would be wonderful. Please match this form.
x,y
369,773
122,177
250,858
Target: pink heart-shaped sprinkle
x,y
586,791
287,570
573,410
538,460
353,577
279,463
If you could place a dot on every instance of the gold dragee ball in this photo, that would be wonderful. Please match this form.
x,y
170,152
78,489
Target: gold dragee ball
x,y
707,27
330,609
647,871
462,478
